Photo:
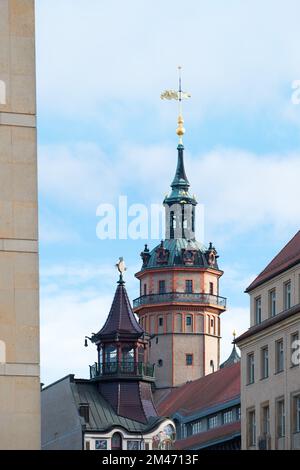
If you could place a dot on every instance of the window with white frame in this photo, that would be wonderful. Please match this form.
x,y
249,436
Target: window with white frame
x,y
265,362
228,417
266,419
280,418
272,303
297,413
250,367
213,422
287,295
279,356
251,429
294,354
258,310
198,427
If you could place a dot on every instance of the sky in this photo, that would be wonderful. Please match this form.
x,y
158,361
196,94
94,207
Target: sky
x,y
103,132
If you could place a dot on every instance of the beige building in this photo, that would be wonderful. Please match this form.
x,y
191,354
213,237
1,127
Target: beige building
x,y
271,355
19,285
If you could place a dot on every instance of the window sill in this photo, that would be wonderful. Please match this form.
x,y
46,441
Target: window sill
x,y
278,372
264,378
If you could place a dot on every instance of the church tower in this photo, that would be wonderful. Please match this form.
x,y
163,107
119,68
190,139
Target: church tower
x,y
179,303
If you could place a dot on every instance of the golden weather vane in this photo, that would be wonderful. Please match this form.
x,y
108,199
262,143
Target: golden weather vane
x,y
178,96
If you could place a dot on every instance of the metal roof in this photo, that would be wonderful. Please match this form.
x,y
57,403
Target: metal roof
x,y
102,415
175,247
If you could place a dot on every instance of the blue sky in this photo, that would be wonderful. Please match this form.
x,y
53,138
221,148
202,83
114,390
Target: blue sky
x,y
104,132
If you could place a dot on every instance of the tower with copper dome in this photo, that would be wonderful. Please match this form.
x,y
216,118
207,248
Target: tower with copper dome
x,y
180,303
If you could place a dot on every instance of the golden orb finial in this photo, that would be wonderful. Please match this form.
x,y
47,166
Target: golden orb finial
x,y
178,96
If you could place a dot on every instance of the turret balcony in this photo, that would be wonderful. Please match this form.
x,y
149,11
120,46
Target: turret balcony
x,y
122,370
180,298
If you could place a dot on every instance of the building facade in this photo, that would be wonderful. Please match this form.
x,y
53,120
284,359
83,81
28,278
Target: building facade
x,y
180,303
114,409
19,284
271,356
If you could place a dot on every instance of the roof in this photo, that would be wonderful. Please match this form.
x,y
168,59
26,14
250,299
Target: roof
x,y
269,322
175,248
102,415
233,358
121,319
221,386
288,257
180,185
212,436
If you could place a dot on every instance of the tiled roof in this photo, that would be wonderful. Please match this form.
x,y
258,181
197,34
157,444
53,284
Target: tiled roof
x,y
213,435
213,389
121,319
286,258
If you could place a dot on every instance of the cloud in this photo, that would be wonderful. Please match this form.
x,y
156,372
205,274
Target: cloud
x,y
233,55
235,319
239,189
65,321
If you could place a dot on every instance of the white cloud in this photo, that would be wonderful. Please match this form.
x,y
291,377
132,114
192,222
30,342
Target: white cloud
x,y
233,54
235,319
66,318
239,189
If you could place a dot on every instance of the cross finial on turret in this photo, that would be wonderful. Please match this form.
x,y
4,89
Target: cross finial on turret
x,y
121,267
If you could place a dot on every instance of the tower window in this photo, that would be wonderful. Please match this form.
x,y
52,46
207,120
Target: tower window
x,y
160,321
189,321
189,286
162,287
145,289
160,363
211,288
189,359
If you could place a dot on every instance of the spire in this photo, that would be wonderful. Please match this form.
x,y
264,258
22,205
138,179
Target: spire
x,y
180,181
121,320
234,356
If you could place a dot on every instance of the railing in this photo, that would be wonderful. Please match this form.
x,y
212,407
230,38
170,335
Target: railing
x,y
128,369
180,297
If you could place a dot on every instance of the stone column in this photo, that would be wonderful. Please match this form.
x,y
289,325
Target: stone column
x,y
19,280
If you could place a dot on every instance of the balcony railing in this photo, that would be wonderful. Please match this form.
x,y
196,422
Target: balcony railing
x,y
122,369
184,297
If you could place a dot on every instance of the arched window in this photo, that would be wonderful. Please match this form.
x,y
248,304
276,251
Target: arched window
x,y
2,352
116,441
